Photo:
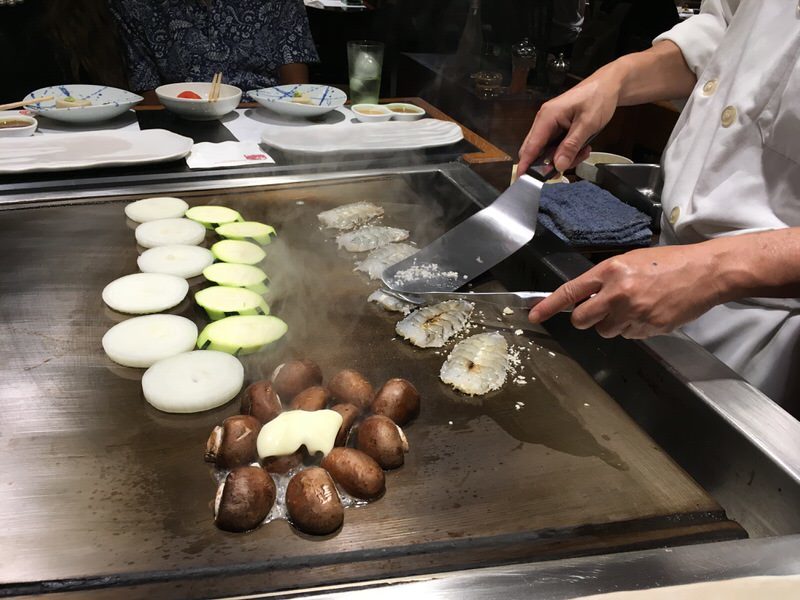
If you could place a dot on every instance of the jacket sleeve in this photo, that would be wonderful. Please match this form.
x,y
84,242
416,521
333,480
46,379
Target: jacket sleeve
x,y
699,36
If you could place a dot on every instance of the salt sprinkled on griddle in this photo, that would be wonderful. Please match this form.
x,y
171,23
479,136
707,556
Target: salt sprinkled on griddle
x,y
423,272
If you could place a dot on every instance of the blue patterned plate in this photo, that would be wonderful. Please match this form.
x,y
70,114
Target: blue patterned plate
x,y
106,102
300,99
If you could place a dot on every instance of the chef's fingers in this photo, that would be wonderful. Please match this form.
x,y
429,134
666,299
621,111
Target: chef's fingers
x,y
544,129
569,294
611,326
569,150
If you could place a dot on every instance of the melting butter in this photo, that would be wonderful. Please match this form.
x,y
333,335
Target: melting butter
x,y
316,430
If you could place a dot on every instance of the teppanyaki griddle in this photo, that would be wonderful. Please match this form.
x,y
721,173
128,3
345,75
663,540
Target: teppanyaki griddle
x,y
101,490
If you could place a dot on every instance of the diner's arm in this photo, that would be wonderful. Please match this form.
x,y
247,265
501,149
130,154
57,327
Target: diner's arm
x,y
656,74
293,73
655,290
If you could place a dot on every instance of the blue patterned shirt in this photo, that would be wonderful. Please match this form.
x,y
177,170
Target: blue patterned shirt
x,y
169,41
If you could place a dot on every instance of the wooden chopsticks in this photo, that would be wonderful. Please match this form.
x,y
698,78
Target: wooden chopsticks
x,y
22,103
216,82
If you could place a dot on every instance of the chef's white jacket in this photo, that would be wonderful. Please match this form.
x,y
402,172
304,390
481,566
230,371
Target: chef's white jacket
x,y
732,165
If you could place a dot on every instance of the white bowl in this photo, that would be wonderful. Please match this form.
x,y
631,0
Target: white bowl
x,y
403,111
106,103
371,113
588,170
22,131
198,110
322,99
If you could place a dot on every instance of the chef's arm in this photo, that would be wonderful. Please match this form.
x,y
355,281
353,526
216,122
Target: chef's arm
x,y
659,73
655,290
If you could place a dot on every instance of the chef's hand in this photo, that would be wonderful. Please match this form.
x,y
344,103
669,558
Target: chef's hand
x,y
639,294
581,112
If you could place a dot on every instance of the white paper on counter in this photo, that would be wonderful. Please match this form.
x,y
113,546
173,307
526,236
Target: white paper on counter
x,y
207,155
247,124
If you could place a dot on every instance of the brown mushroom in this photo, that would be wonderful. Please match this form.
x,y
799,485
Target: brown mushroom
x,y
349,414
358,474
351,387
294,376
313,398
397,399
313,502
383,440
244,499
234,442
261,401
282,464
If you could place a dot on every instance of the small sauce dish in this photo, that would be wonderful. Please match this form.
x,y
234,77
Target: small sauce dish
x,y
16,125
371,113
403,111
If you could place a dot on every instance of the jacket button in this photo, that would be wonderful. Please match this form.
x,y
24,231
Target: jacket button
x,y
710,87
674,215
728,116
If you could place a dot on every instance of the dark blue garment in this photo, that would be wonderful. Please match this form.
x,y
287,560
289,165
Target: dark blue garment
x,y
169,41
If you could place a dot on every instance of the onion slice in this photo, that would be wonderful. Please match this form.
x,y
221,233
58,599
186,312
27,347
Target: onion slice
x,y
152,209
141,341
169,232
193,381
143,293
179,260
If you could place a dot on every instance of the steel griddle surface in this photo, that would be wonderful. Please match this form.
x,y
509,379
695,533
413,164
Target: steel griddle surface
x,y
101,489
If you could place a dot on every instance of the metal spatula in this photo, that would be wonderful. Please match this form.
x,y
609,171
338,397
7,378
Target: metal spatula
x,y
478,243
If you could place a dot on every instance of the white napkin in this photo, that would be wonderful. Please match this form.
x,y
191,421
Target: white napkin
x,y
207,155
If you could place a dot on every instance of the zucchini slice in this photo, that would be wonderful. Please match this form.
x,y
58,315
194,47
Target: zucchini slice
x,y
233,275
213,216
182,261
221,301
241,335
170,232
236,251
152,209
260,233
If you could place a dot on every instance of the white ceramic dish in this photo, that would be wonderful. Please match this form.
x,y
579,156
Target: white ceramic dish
x,y
107,103
371,113
403,111
322,98
588,170
16,132
198,110
363,137
84,150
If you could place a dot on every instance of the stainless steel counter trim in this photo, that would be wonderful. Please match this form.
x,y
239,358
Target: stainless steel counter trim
x,y
756,416
577,577
108,189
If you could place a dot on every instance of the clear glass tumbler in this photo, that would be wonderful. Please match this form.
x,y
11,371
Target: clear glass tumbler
x,y
365,60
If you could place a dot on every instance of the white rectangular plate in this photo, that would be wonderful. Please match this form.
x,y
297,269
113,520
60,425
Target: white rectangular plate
x,y
85,150
388,136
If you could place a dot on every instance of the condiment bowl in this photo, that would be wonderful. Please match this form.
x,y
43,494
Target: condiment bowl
x,y
371,113
202,109
20,130
300,99
403,111
105,102
588,170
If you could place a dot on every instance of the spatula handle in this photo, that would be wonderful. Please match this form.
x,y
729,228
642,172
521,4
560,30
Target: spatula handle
x,y
543,168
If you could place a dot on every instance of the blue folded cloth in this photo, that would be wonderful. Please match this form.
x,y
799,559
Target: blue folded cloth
x,y
586,215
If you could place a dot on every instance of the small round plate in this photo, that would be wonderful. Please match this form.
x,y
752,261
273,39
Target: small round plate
x,y
300,100
106,102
